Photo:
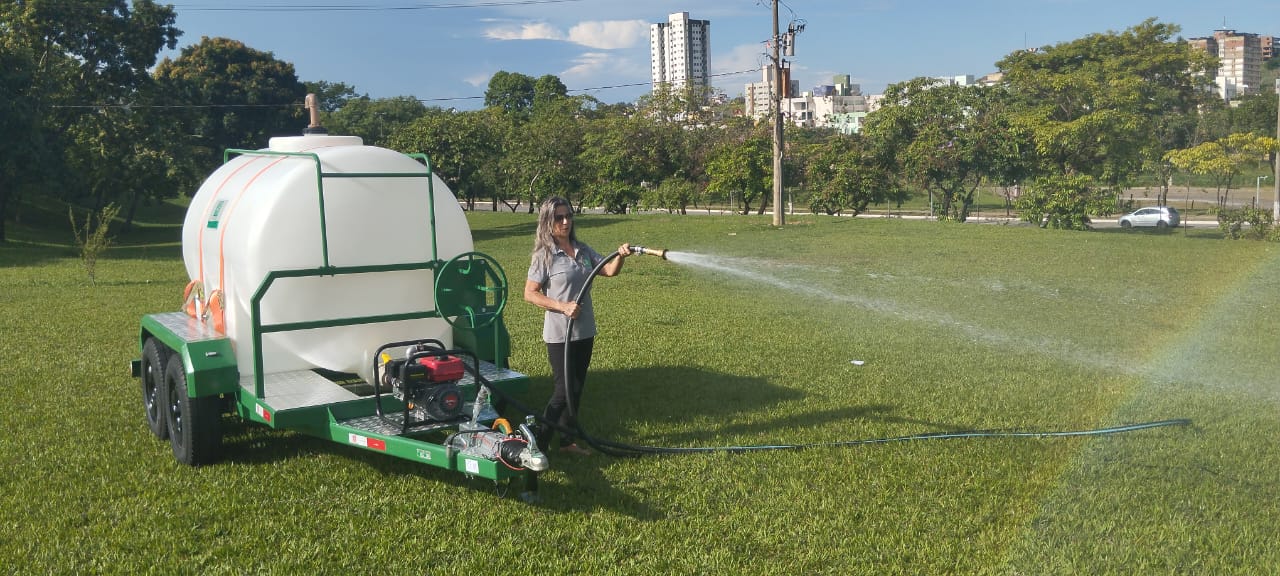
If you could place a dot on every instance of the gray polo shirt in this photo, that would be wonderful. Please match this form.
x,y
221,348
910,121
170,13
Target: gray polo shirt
x,y
561,278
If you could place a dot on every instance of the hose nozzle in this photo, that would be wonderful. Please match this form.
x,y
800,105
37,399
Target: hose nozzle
x,y
659,252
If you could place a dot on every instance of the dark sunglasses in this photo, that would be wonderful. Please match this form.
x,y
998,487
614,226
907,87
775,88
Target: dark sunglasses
x,y
564,217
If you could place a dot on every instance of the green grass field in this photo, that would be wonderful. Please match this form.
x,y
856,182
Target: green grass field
x,y
959,327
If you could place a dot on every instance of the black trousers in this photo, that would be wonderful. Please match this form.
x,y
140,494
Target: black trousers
x,y
567,386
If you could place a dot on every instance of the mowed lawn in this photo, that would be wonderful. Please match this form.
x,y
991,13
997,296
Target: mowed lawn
x,y
751,340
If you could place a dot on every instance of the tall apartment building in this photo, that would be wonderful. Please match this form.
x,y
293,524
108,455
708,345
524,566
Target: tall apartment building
x,y
1239,61
680,51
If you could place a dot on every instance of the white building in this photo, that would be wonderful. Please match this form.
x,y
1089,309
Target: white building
x,y
1240,56
680,51
840,106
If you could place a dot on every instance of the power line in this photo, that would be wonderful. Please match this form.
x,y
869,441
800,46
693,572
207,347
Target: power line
x,y
359,7
295,104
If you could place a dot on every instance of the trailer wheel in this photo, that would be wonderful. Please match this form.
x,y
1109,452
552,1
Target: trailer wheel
x,y
195,424
154,355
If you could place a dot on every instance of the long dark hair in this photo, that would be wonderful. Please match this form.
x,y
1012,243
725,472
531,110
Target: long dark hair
x,y
544,243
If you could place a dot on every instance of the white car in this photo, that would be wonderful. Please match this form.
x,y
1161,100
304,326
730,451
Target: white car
x,y
1157,216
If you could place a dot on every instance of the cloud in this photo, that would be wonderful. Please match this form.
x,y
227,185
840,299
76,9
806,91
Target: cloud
x,y
593,68
609,34
526,31
601,35
741,57
587,65
478,79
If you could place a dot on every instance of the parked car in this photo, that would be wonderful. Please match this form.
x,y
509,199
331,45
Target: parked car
x,y
1158,216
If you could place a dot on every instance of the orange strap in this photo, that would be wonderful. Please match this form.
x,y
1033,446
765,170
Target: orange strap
x,y
217,314
191,296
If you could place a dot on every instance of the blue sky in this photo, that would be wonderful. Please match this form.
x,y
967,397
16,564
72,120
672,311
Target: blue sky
x,y
444,51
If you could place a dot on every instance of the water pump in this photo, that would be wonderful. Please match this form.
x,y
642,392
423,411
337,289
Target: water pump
x,y
426,380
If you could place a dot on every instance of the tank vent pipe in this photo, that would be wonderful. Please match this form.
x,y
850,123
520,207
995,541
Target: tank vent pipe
x,y
312,104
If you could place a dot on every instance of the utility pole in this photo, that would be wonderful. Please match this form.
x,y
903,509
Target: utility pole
x,y
778,217
1275,208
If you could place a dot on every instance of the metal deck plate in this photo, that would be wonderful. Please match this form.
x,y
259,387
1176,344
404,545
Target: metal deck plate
x,y
298,389
395,427
305,389
186,327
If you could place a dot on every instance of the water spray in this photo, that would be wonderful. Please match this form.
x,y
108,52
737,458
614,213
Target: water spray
x,y
620,449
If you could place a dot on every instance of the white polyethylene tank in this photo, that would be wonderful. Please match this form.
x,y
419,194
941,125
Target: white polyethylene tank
x,y
259,213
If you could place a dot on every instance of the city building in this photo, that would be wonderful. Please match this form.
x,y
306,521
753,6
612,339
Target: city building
x,y
1239,61
756,95
839,105
680,51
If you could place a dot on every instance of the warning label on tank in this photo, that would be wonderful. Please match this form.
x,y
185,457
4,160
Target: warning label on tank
x,y
217,213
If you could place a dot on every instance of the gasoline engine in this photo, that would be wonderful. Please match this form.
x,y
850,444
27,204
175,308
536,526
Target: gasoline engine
x,y
426,381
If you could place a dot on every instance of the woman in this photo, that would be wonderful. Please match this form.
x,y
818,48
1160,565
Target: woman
x,y
561,266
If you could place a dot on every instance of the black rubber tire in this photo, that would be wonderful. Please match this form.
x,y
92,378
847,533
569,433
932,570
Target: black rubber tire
x,y
1161,225
1125,224
154,356
195,424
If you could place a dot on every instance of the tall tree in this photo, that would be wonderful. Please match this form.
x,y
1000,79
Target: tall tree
x,y
463,147
54,56
946,139
512,92
238,96
742,170
1090,106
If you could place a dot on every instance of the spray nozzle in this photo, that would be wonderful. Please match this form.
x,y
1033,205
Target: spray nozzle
x,y
659,252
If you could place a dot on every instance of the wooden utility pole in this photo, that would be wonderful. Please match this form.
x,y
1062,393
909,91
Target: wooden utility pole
x,y
778,217
1275,208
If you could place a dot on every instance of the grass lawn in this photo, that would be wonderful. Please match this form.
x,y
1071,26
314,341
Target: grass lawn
x,y
959,327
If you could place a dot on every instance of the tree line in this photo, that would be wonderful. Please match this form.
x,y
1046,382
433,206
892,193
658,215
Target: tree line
x,y
93,117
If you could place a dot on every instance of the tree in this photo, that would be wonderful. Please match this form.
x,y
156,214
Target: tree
x,y
1222,159
512,92
375,120
673,195
332,96
463,148
742,170
1090,106
238,96
621,155
54,55
542,155
945,139
841,174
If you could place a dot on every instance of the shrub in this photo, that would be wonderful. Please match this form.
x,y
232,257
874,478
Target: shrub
x,y
92,238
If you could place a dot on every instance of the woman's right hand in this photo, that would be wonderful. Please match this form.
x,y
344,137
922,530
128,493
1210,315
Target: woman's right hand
x,y
569,309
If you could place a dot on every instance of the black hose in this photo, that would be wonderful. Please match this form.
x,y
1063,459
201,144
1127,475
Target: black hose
x,y
620,449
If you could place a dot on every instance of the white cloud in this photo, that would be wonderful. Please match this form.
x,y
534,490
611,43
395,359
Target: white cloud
x,y
527,31
479,79
741,57
587,65
601,34
609,34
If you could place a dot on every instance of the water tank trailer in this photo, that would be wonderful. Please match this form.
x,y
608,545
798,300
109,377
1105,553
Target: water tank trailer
x,y
335,292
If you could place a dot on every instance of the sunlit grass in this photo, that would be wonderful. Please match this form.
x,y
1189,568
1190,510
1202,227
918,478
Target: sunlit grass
x,y
958,328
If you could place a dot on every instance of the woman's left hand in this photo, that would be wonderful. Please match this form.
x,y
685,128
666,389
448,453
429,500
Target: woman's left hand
x,y
624,250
